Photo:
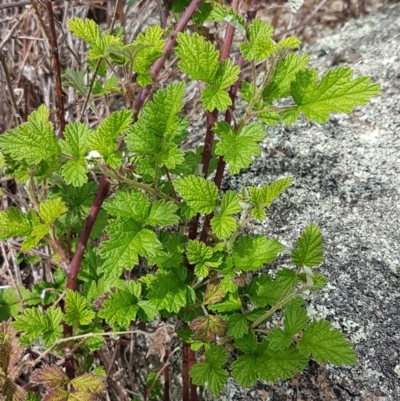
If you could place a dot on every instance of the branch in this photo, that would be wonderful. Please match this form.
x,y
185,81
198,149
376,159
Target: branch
x,y
56,64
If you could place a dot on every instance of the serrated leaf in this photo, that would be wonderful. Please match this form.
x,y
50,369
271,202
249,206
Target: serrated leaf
x,y
295,318
309,248
14,223
278,339
281,364
103,140
10,305
222,13
158,125
237,325
326,344
319,282
89,383
77,310
285,72
162,214
52,209
291,42
167,290
263,290
260,45
253,252
287,277
272,191
248,343
231,303
202,256
32,141
207,328
199,58
244,370
132,204
49,376
238,149
214,294
75,145
36,325
121,308
210,372
223,226
56,394
200,194
336,92
127,241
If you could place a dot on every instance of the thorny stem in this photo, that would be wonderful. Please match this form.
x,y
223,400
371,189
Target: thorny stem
x,y
52,37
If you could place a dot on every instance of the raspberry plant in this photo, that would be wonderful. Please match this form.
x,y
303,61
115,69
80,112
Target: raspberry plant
x,y
125,195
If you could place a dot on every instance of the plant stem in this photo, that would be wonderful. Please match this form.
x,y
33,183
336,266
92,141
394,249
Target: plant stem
x,y
56,65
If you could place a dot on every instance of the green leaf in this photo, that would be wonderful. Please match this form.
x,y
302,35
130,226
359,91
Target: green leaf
x,y
103,140
237,325
199,58
309,248
147,56
167,290
210,372
285,72
260,45
202,256
326,344
10,305
77,309
133,204
253,252
52,209
232,302
336,92
207,328
295,318
75,145
200,194
287,277
278,339
14,223
244,370
291,42
32,141
159,125
121,308
89,383
127,241
248,343
263,290
223,225
239,148
281,364
222,13
272,191
162,214
35,325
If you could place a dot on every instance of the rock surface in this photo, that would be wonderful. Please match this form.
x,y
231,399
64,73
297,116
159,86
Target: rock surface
x,y
347,180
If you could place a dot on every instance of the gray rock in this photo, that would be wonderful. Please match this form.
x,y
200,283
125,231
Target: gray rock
x,y
347,180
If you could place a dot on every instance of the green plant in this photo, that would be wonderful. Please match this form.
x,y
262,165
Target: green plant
x,y
126,196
